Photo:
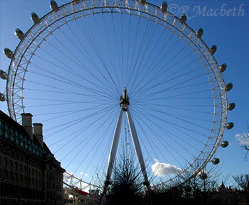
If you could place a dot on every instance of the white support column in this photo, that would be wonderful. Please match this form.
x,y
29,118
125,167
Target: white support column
x,y
137,147
114,148
113,152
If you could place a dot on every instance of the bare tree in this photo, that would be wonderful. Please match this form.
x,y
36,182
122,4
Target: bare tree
x,y
242,181
243,140
127,184
210,183
243,184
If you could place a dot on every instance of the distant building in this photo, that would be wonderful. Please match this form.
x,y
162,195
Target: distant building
x,y
229,196
29,173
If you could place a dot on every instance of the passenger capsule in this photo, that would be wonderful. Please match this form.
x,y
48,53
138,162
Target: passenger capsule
x,y
216,161
213,49
199,33
75,1
19,33
3,75
228,87
2,97
183,18
143,2
203,175
53,5
231,106
164,7
224,144
223,67
35,18
8,53
230,125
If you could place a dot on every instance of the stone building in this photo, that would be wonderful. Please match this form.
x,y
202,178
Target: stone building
x,y
29,173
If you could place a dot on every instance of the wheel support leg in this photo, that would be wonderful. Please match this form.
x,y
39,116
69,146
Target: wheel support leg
x,y
112,154
137,147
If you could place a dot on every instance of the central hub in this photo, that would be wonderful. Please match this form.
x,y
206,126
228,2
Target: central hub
x,y
124,100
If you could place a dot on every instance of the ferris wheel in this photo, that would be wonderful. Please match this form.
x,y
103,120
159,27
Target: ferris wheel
x,y
112,76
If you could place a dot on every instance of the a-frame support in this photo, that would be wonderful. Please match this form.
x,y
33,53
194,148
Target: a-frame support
x,y
124,104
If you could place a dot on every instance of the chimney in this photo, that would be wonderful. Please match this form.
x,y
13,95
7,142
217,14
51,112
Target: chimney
x,y
27,123
38,132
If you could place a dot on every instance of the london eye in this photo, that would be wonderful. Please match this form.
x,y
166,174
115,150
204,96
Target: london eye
x,y
106,77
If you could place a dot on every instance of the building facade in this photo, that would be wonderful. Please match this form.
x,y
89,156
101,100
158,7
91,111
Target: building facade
x,y
29,173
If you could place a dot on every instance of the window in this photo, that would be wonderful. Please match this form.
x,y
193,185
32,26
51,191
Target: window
x,y
11,175
5,174
6,134
16,165
20,167
12,137
21,178
6,130
5,161
16,177
17,139
11,163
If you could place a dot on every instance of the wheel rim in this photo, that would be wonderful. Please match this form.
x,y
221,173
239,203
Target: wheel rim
x,y
140,96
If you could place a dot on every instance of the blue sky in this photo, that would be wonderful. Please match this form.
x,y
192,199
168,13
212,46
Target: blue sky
x,y
225,24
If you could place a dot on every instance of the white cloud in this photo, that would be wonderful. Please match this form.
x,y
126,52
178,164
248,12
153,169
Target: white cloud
x,y
243,139
85,174
161,169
